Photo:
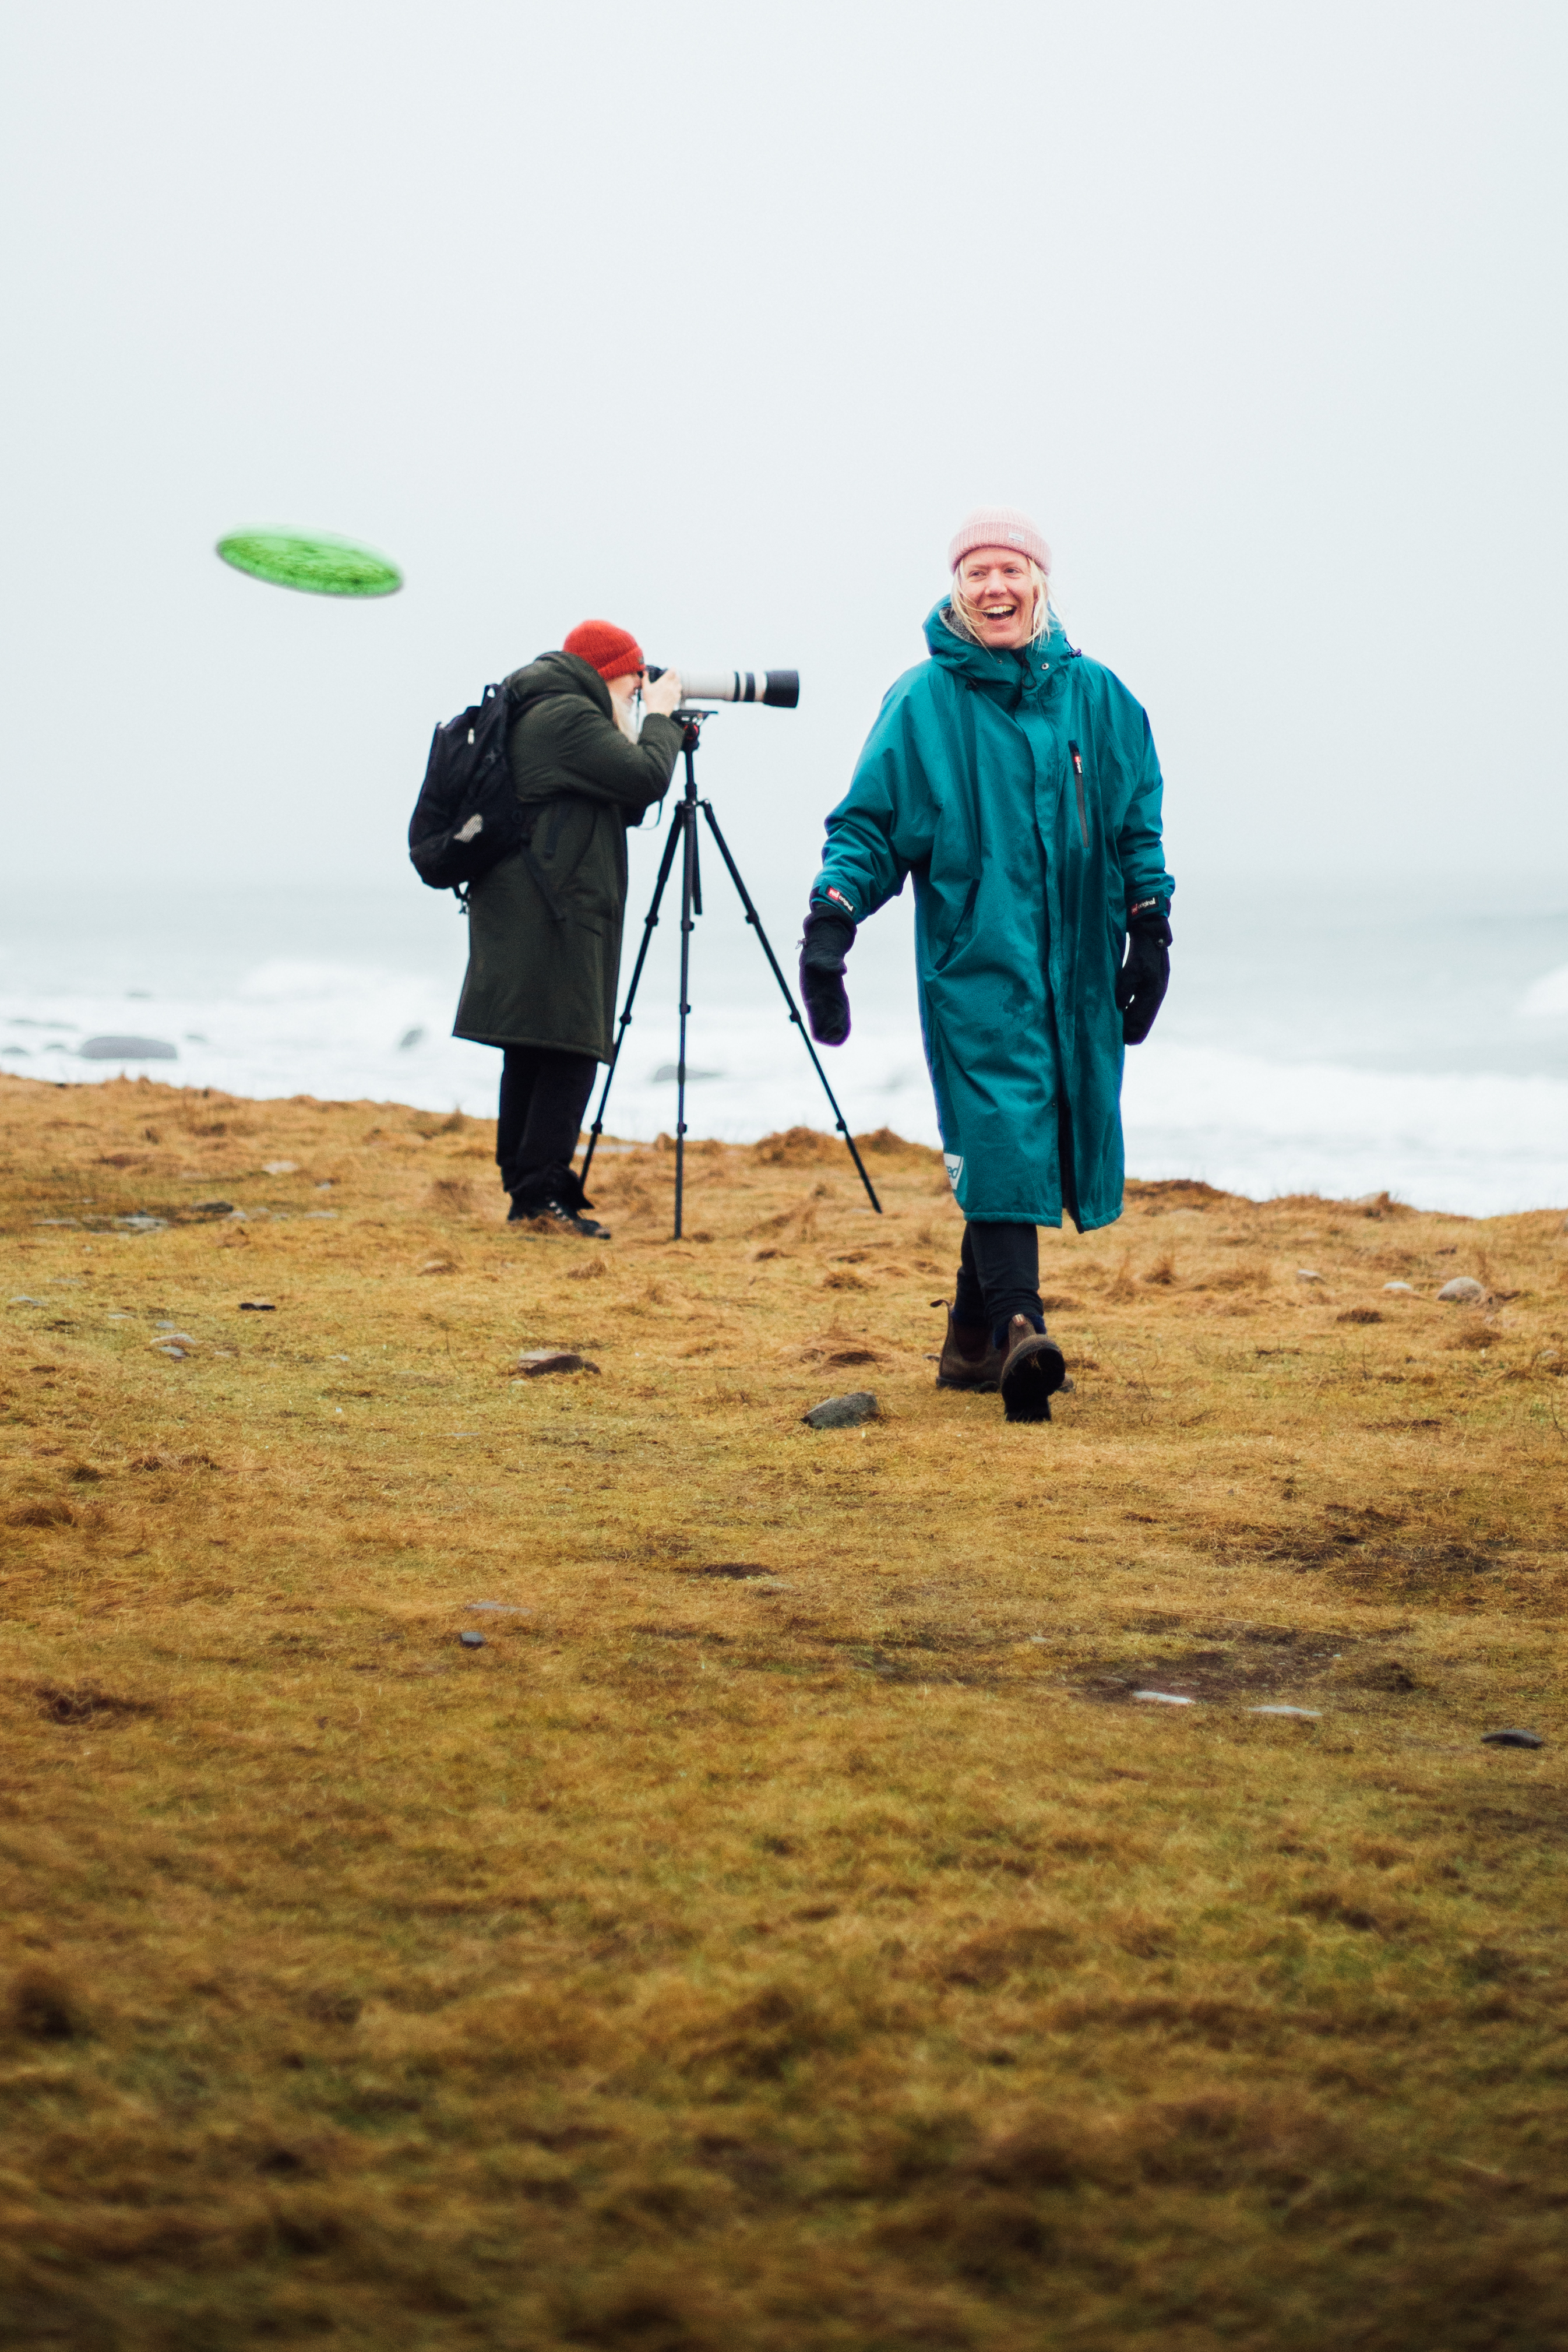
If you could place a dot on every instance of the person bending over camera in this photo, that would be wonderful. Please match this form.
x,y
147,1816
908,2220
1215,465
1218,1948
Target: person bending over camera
x,y
1017,782
544,927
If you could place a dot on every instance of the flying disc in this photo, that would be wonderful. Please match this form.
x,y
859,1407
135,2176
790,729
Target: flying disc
x,y
315,560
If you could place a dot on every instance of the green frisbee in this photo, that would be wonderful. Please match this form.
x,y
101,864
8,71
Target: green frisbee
x,y
315,560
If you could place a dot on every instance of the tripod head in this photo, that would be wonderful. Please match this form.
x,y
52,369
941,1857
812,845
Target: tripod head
x,y
691,725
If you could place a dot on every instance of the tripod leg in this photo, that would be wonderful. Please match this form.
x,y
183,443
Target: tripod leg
x,y
753,918
650,923
690,889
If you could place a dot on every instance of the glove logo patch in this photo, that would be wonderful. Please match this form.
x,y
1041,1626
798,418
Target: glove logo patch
x,y
953,1162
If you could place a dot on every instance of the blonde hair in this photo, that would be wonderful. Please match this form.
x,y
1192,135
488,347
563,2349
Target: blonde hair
x,y
962,616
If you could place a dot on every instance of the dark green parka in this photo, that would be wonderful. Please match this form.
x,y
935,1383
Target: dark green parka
x,y
543,970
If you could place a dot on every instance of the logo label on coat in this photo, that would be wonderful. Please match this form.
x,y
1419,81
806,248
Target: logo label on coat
x,y
955,1167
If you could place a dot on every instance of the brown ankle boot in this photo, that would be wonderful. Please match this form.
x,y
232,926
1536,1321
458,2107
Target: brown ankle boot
x,y
968,1359
1033,1369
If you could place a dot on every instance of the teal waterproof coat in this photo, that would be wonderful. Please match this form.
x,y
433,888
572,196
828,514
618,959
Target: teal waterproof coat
x,y
1022,791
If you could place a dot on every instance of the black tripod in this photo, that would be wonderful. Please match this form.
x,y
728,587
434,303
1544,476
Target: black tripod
x,y
683,836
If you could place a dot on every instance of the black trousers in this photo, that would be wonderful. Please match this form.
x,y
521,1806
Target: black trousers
x,y
998,1276
544,1093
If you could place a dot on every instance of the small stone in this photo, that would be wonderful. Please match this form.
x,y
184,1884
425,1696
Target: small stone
x,y
843,1412
128,1049
280,1167
1407,1288
257,1306
22,1299
143,1224
1306,1274
1463,1291
1311,1712
1165,1699
539,1360
472,1641
170,1339
1512,1739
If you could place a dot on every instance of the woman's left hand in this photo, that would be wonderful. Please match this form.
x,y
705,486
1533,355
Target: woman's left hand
x,y
1142,982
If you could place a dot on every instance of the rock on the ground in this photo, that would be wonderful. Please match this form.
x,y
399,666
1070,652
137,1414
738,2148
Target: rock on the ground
x,y
843,1412
1165,1699
472,1641
1313,1713
1308,1274
1408,1288
1512,1739
552,1360
128,1049
1463,1291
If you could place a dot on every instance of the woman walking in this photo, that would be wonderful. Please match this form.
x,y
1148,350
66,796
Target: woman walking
x,y
544,927
1017,782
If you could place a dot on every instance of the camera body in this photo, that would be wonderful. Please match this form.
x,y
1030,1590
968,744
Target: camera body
x,y
779,688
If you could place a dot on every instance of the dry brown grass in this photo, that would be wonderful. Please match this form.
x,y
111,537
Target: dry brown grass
x,y
788,1930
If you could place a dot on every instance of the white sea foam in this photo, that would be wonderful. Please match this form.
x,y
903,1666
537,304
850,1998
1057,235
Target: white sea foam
x,y
1546,999
1479,1143
1425,1061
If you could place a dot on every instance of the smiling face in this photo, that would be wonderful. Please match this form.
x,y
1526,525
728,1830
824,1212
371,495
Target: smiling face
x,y
997,585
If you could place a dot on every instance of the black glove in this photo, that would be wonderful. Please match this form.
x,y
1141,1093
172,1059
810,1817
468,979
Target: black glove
x,y
1142,982
829,937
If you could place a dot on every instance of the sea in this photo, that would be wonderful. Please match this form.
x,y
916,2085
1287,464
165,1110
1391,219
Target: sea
x,y
1410,1039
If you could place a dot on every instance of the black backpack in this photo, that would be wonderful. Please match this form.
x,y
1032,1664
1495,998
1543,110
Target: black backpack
x,y
468,816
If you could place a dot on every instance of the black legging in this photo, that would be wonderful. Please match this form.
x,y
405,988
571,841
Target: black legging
x,y
998,1276
544,1093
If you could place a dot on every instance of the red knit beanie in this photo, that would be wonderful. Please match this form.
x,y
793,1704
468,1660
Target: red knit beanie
x,y
613,652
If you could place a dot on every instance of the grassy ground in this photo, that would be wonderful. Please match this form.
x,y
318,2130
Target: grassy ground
x,y
788,1930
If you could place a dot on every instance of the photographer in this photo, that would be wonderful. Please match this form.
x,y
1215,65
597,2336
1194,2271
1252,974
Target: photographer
x,y
1017,782
544,927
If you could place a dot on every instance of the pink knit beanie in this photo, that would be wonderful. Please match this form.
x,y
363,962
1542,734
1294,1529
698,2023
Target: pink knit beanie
x,y
998,527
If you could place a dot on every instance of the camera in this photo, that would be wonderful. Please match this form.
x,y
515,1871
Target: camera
x,y
780,687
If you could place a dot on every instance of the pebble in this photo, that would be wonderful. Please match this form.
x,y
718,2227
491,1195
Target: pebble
x,y
170,1339
843,1412
128,1049
552,1360
1512,1739
1463,1291
1307,1274
472,1641
1315,1713
22,1299
1408,1288
1165,1699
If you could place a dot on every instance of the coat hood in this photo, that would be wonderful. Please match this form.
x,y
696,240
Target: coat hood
x,y
560,674
1003,677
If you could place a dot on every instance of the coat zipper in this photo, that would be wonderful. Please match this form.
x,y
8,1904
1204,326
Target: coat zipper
x,y
1077,780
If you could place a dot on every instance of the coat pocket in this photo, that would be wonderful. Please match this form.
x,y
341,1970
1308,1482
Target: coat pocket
x,y
959,938
1077,758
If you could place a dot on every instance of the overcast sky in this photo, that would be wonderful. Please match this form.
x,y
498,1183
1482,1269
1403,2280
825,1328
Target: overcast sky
x,y
714,320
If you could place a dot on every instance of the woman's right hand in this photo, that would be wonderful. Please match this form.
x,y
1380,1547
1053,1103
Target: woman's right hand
x,y
662,695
